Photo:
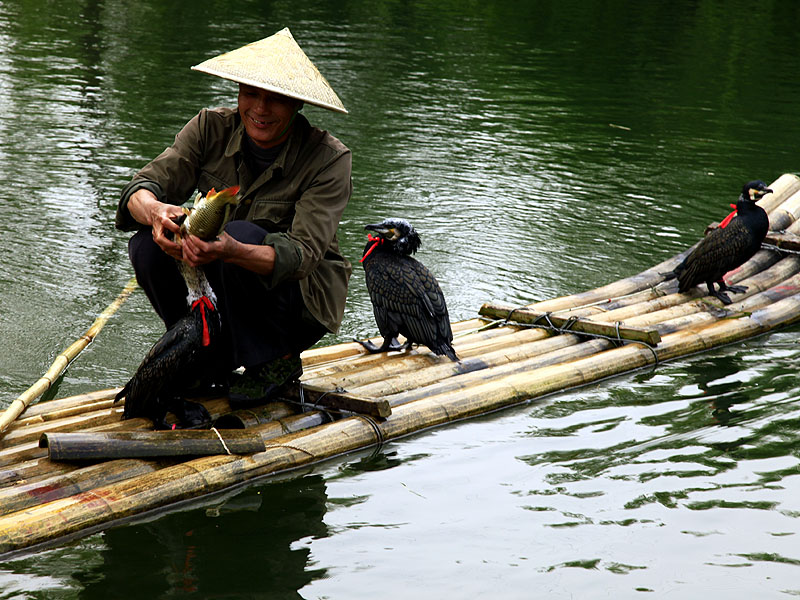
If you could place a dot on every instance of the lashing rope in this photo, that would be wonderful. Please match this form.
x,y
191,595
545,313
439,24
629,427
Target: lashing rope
x,y
381,439
567,328
224,445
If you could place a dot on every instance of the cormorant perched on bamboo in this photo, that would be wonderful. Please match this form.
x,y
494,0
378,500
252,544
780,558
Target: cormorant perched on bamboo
x,y
406,298
185,354
727,247
175,363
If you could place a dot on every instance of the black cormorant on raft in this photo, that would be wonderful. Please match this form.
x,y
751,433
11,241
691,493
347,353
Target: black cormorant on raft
x,y
406,297
185,354
727,247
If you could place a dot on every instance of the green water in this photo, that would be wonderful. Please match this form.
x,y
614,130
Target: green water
x,y
541,148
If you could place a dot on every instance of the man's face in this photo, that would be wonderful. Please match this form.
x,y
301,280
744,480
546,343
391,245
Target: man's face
x,y
266,115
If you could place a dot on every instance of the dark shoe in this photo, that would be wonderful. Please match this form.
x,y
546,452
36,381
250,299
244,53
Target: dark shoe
x,y
192,415
258,385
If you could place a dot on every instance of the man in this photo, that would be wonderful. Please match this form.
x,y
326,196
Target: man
x,y
277,271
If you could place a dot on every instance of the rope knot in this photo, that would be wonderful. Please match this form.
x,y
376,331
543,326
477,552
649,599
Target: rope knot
x,y
376,241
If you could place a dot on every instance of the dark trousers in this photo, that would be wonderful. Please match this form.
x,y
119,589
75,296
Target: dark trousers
x,y
258,324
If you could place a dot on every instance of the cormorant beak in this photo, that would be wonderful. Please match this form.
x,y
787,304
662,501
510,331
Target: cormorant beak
x,y
758,194
380,229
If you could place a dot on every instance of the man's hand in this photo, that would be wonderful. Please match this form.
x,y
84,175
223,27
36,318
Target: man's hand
x,y
147,210
197,252
253,257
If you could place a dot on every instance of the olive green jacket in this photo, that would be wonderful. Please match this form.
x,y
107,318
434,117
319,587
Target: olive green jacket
x,y
299,199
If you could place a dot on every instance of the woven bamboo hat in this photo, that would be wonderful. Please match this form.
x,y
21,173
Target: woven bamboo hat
x,y
278,64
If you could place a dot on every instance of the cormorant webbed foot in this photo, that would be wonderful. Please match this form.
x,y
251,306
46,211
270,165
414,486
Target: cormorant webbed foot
x,y
736,289
393,345
723,297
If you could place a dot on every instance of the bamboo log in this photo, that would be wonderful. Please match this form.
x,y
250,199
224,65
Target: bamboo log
x,y
62,360
82,445
61,480
32,470
107,418
57,486
578,325
23,444
325,354
171,484
383,365
782,188
69,402
785,214
784,241
340,400
402,382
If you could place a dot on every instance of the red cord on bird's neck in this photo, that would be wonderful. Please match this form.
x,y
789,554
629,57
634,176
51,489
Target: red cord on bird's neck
x,y
378,241
729,218
205,304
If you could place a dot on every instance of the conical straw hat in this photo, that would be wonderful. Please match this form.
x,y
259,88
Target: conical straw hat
x,y
278,64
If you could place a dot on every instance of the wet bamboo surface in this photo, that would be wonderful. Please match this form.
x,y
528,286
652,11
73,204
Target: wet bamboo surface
x,y
506,358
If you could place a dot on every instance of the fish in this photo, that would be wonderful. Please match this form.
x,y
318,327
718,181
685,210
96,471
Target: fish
x,y
209,213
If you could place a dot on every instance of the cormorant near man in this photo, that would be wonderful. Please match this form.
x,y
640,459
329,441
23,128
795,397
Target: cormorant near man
x,y
185,354
181,358
176,362
727,247
406,298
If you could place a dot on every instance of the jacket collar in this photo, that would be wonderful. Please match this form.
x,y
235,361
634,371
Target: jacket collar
x,y
287,157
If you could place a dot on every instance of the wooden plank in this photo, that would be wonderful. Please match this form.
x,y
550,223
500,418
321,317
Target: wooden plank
x,y
339,399
572,324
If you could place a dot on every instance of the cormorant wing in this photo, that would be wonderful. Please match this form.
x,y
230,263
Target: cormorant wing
x,y
717,253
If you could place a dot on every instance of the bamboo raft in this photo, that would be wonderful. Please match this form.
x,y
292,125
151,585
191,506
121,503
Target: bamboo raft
x,y
71,466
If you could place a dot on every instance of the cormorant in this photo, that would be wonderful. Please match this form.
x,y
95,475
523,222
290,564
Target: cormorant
x,y
176,362
406,298
727,247
185,354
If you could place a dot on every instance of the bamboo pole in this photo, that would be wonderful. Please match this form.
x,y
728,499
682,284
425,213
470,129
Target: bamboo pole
x,y
31,470
62,480
87,445
29,494
480,366
783,187
62,360
385,365
325,354
67,403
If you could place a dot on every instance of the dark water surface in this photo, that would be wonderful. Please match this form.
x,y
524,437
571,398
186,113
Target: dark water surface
x,y
541,148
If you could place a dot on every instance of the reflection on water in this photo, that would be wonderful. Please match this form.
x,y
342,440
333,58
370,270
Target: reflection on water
x,y
540,150
228,549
